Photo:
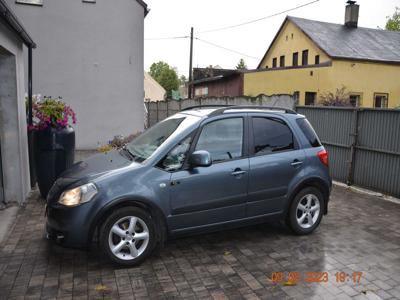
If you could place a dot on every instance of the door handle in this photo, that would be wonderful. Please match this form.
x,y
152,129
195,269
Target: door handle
x,y
296,163
238,172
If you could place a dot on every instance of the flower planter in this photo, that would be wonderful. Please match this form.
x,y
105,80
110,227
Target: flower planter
x,y
54,151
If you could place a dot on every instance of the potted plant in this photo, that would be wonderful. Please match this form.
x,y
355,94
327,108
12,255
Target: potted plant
x,y
54,139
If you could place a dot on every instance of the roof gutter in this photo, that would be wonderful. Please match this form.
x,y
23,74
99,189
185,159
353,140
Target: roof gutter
x,y
8,17
146,9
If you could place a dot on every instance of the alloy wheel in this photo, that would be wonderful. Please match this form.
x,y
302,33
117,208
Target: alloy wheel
x,y
307,211
128,238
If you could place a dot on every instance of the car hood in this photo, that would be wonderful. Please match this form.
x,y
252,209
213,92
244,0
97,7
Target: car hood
x,y
97,165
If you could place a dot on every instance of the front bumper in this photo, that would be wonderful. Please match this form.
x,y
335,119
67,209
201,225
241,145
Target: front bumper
x,y
68,226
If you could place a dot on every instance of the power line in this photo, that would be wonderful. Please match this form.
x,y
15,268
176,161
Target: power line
x,y
257,20
167,38
227,49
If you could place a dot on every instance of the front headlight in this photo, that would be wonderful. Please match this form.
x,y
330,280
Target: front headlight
x,y
78,195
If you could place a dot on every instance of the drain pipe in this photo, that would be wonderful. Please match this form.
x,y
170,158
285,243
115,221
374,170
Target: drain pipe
x,y
31,138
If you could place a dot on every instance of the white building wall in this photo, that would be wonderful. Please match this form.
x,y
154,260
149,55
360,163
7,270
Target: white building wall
x,y
91,54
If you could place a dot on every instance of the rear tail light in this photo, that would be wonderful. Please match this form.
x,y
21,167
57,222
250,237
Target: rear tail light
x,y
323,157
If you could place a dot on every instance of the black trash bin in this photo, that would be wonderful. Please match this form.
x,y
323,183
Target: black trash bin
x,y
54,153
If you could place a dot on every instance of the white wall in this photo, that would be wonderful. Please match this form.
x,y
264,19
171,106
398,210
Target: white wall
x,y
92,56
13,133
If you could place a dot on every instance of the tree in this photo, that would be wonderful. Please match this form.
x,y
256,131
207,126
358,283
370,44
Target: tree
x,y
165,76
393,22
182,80
241,65
340,98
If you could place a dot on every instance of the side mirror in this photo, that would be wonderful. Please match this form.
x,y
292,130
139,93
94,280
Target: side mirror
x,y
200,158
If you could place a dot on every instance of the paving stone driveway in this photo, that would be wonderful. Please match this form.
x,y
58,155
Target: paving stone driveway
x,y
360,234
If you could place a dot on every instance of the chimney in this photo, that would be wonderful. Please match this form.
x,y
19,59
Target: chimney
x,y
351,16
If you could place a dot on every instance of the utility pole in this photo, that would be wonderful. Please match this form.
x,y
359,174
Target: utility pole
x,y
190,65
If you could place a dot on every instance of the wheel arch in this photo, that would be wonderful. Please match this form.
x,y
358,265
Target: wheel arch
x,y
154,211
316,182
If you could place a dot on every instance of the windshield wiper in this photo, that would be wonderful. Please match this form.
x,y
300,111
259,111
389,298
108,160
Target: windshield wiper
x,y
132,156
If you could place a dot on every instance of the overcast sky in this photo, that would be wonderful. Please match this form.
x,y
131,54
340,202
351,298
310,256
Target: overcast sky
x,y
170,18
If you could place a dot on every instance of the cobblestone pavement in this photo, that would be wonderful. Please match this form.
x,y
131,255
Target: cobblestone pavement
x,y
360,234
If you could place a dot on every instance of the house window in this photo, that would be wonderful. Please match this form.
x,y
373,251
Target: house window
x,y
310,98
381,100
296,97
304,58
317,59
201,91
32,2
282,61
355,100
274,62
295,59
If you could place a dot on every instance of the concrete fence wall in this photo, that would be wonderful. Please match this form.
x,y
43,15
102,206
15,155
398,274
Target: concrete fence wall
x,y
157,111
363,145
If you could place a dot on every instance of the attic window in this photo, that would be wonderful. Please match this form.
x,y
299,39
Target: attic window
x,y
295,59
282,61
304,58
317,59
274,61
31,2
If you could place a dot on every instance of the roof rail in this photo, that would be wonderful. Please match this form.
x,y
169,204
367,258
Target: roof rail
x,y
223,109
207,106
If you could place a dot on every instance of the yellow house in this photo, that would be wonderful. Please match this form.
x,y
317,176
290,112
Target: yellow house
x,y
310,58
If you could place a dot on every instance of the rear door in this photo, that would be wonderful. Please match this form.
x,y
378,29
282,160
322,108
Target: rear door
x,y
275,159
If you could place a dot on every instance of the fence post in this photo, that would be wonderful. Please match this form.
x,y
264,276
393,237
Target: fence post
x,y
157,111
147,103
353,148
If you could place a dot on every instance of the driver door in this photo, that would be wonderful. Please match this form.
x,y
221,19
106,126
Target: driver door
x,y
203,196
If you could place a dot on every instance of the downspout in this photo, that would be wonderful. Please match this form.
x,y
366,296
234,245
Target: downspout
x,y
31,133
30,117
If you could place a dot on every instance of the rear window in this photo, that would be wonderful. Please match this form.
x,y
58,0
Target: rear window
x,y
309,132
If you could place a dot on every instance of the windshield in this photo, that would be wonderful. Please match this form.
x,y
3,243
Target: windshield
x,y
144,145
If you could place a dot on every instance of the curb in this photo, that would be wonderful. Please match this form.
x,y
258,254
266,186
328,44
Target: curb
x,y
364,191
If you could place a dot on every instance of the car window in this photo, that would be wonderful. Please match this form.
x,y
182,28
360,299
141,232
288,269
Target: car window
x,y
223,139
176,157
271,135
145,144
309,132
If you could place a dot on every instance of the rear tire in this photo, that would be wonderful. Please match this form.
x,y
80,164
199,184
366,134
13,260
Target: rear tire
x,y
127,236
306,210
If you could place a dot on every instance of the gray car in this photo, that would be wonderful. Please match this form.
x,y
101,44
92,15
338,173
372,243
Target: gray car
x,y
202,169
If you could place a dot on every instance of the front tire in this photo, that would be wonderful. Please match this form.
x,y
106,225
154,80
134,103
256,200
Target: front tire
x,y
127,236
306,211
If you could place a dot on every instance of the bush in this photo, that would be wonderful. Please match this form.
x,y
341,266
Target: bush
x,y
118,142
340,98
